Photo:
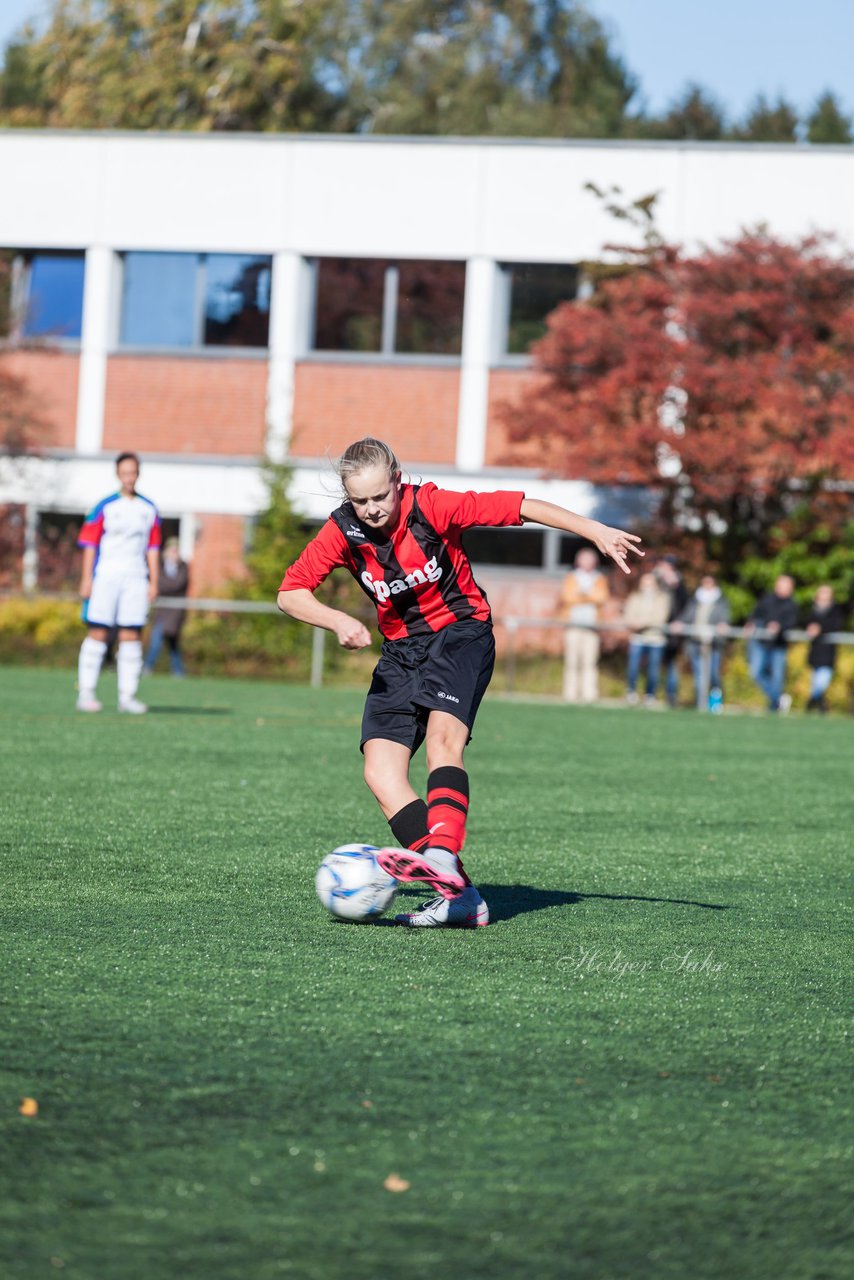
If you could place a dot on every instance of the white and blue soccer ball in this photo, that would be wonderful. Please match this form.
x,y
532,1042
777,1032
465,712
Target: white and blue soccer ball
x,y
352,885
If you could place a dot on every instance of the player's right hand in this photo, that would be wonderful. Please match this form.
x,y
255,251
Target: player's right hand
x,y
352,634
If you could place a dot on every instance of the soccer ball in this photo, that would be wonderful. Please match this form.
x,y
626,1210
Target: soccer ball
x,y
352,885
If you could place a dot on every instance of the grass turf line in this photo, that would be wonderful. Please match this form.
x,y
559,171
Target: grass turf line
x,y
638,1070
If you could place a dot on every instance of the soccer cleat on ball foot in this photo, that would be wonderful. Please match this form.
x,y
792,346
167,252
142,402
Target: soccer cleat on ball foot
x,y
467,910
436,867
88,702
133,707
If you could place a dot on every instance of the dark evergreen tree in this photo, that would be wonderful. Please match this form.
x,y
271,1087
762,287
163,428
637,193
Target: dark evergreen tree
x,y
695,116
768,122
827,123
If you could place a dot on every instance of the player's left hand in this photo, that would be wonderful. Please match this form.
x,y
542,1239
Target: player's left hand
x,y
617,544
152,592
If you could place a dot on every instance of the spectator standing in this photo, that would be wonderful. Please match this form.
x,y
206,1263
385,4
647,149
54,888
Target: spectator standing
x,y
167,623
584,592
670,580
826,617
708,607
776,613
645,615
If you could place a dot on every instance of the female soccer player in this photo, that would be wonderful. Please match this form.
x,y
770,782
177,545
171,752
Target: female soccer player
x,y
403,545
121,561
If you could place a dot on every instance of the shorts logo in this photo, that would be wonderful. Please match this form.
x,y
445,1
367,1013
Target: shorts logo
x,y
449,697
382,590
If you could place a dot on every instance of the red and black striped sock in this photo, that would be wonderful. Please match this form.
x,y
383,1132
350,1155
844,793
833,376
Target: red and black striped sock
x,y
447,809
410,825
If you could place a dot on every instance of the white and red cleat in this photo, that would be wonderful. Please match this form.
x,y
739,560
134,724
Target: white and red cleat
x,y
467,910
88,702
436,867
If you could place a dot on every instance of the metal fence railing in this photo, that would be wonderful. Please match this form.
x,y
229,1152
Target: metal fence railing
x,y
706,636
514,625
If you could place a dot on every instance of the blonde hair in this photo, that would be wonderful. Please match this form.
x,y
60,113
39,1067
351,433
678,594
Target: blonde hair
x,y
367,452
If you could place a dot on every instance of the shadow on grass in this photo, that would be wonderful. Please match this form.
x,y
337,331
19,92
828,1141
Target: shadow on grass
x,y
190,711
509,900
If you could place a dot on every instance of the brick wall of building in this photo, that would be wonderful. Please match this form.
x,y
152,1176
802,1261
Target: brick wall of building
x,y
50,381
506,389
414,408
166,404
523,595
218,553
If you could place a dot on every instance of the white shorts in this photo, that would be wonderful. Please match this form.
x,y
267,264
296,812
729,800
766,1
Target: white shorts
x,y
118,602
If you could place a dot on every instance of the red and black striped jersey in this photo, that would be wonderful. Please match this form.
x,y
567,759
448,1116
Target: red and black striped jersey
x,y
418,575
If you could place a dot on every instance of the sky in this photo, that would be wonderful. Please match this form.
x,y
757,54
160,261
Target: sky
x,y
733,48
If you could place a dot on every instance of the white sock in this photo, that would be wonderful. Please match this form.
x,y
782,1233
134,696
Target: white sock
x,y
129,667
89,665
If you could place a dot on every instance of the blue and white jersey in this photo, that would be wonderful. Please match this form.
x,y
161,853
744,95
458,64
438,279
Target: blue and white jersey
x,y
123,531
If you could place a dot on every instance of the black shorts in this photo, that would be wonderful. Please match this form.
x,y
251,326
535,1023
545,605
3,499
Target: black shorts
x,y
446,671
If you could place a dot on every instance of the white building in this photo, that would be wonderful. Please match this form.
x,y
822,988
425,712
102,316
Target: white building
x,y
206,299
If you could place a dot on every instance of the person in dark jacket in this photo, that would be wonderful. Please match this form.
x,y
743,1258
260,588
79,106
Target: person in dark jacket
x,y
826,617
774,615
167,623
708,607
670,580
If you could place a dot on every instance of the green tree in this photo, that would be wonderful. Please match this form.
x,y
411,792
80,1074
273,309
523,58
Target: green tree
x,y
815,545
253,643
695,116
828,123
269,644
543,69
537,67
278,536
169,64
768,122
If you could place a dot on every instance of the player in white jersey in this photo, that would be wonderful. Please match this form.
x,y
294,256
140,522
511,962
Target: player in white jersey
x,y
120,540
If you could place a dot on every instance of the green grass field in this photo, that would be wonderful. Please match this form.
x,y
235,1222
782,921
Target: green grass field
x,y
639,1070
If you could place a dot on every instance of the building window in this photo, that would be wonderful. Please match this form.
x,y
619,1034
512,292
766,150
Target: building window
x,y
389,308
237,300
533,290
349,304
429,315
195,300
518,548
58,557
47,295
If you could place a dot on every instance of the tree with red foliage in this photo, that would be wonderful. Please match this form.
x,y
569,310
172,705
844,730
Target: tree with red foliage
x,y
725,381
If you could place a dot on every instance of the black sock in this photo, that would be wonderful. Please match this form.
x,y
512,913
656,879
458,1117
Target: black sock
x,y
409,824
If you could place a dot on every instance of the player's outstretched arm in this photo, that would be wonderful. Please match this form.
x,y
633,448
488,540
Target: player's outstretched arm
x,y
615,543
302,605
